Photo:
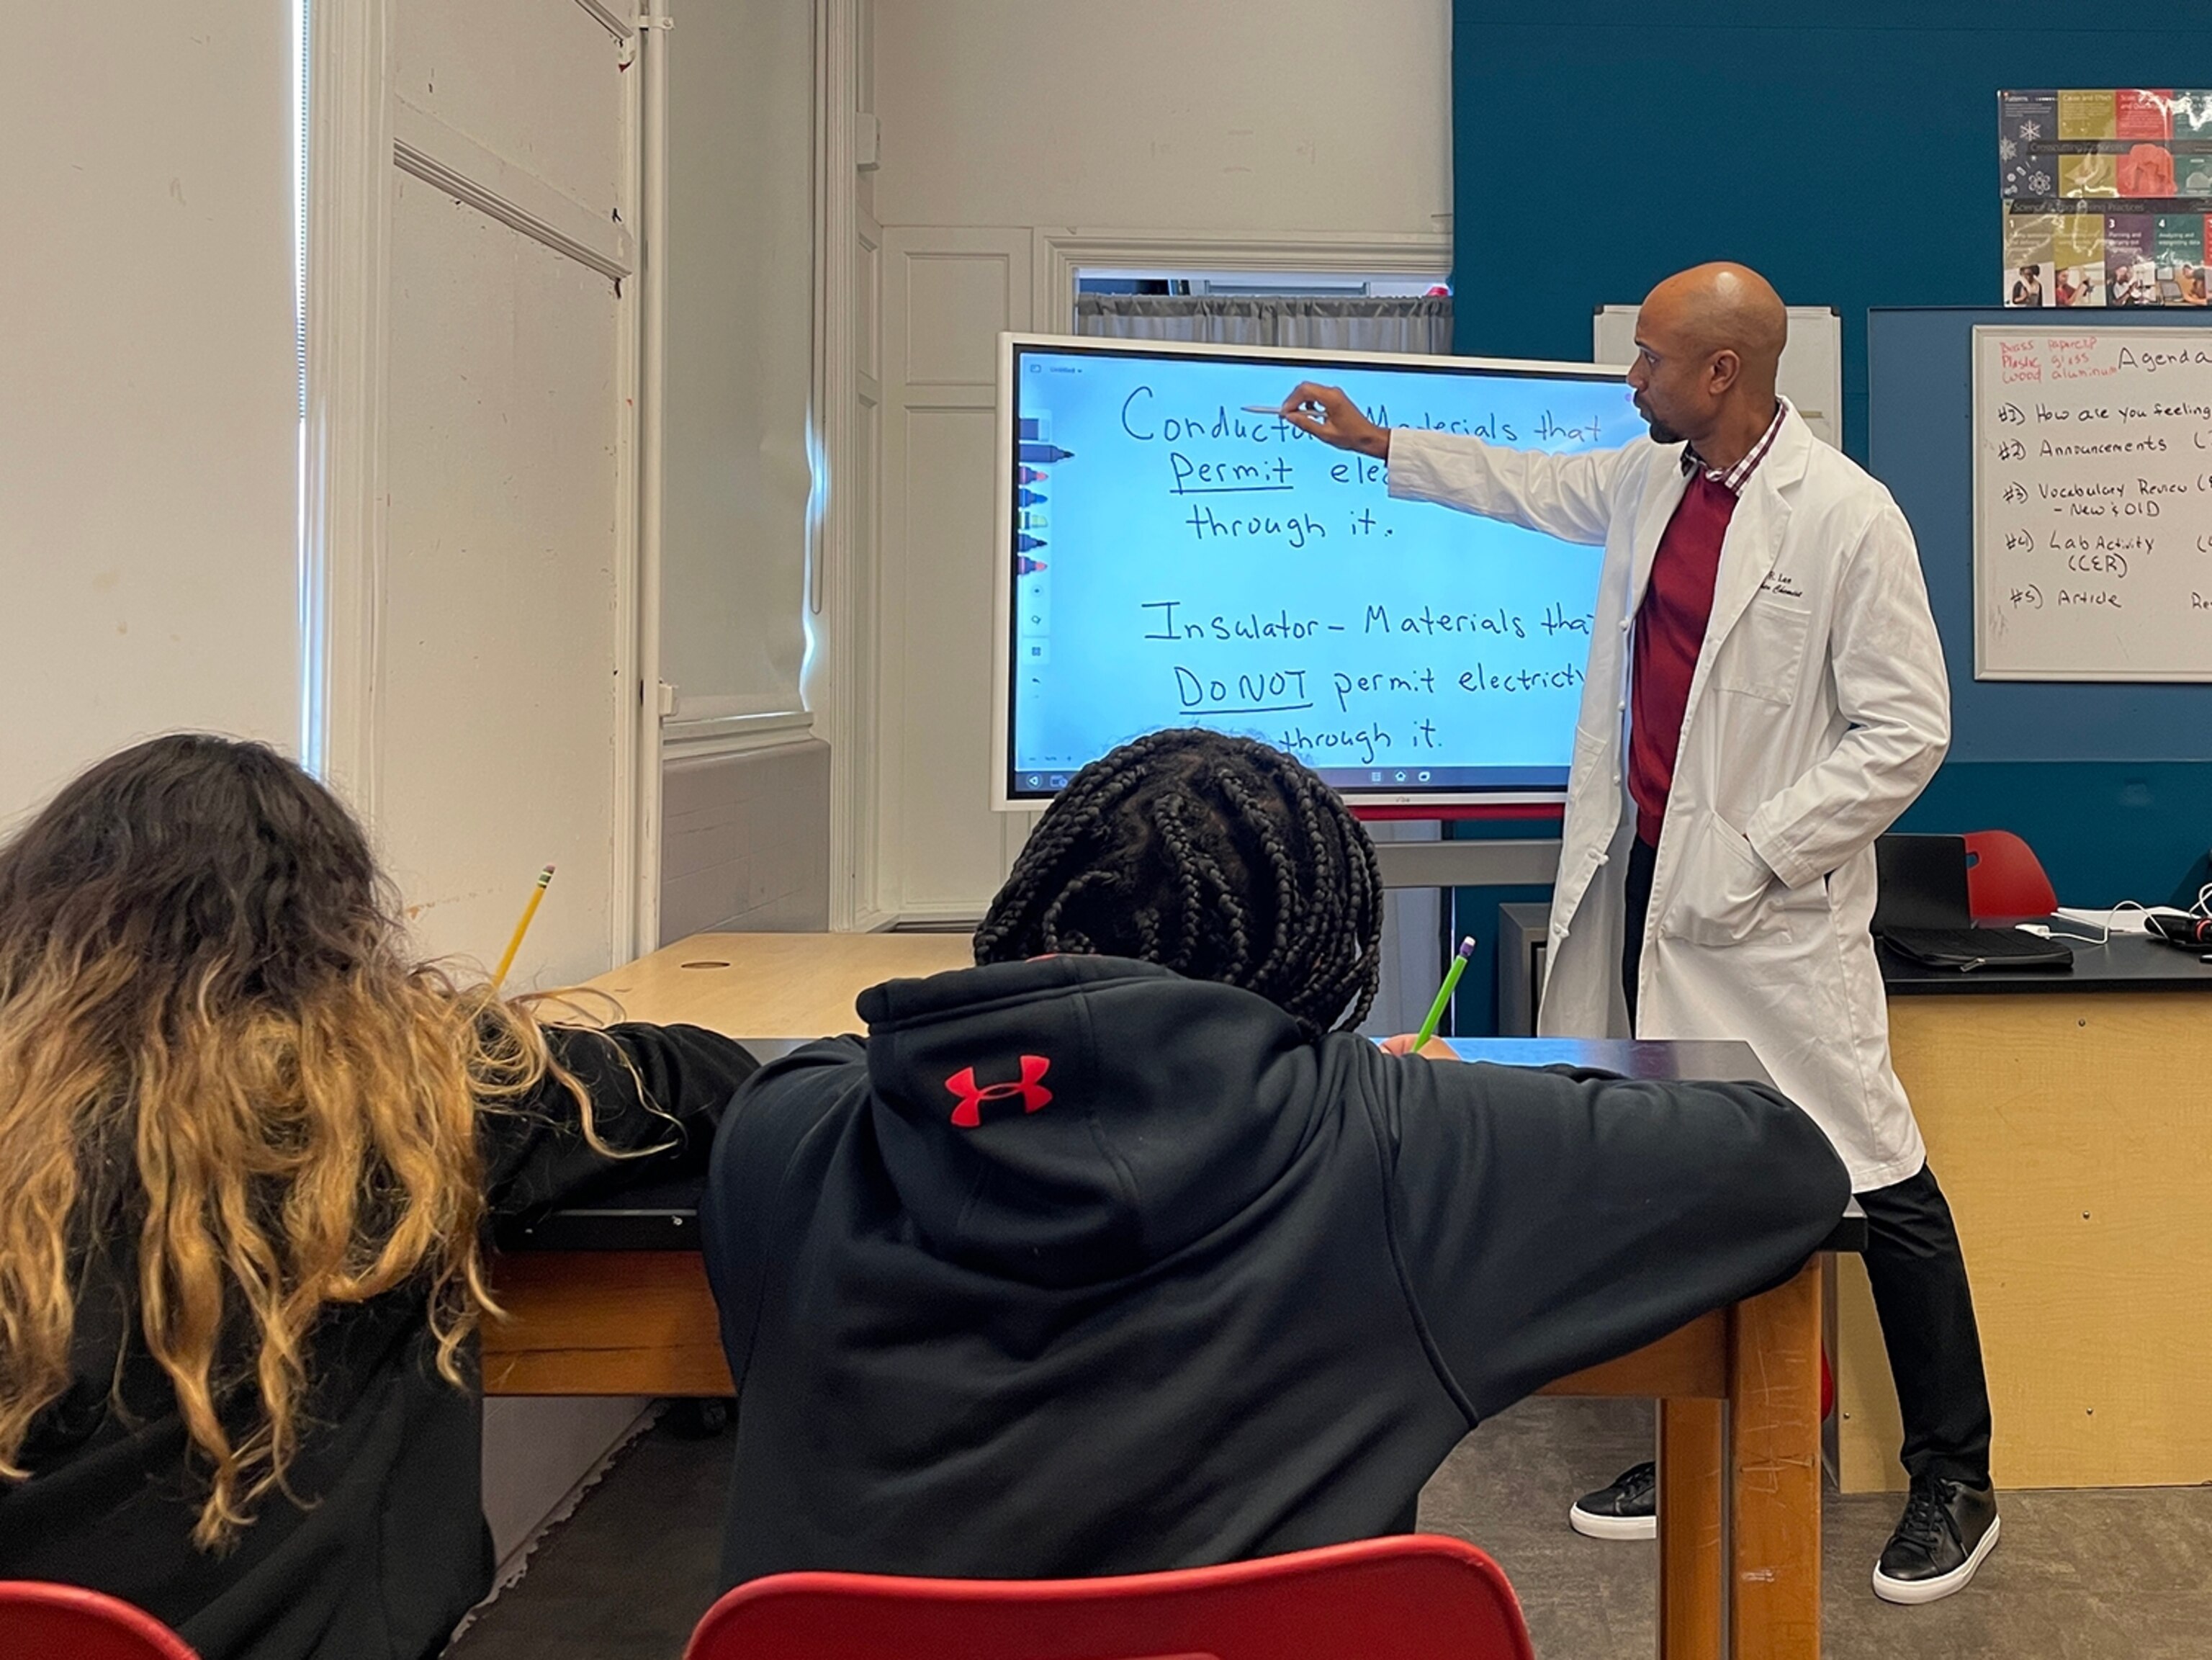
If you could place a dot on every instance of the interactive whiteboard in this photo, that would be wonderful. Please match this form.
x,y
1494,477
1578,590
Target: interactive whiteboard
x,y
2093,503
1169,558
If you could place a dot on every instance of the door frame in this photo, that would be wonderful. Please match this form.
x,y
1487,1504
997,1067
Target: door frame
x,y
360,134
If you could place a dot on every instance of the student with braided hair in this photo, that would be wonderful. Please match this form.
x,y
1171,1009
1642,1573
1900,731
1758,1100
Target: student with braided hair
x,y
1151,853
1122,1250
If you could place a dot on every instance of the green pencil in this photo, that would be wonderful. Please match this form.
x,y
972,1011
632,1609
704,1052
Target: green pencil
x,y
1443,994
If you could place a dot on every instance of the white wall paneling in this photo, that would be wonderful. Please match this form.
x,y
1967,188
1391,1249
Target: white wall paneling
x,y
499,728
1018,142
1299,116
471,503
479,177
149,427
536,84
745,849
947,294
470,497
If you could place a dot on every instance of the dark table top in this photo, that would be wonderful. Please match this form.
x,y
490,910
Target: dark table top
x,y
2128,961
663,1214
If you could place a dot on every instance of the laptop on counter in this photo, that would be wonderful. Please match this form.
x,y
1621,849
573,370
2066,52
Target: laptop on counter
x,y
1922,913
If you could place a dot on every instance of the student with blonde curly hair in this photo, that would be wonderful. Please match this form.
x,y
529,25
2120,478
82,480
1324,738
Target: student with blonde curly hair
x,y
250,1149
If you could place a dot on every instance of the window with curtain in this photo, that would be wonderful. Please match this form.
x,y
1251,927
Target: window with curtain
x,y
1421,324
740,371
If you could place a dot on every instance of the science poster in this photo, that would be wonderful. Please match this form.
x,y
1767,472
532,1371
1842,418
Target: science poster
x,y
2106,196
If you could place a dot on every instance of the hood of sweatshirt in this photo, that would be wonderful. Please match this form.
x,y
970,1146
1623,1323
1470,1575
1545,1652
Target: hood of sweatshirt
x,y
1074,1119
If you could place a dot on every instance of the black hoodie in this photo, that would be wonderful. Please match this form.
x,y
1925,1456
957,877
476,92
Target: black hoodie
x,y
378,1545
1078,1266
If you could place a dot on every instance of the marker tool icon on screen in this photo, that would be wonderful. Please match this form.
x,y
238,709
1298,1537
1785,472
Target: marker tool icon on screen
x,y
1025,543
1025,566
1044,453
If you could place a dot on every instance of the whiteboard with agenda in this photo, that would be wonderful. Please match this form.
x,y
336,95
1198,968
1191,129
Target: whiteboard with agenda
x,y
1172,553
2093,503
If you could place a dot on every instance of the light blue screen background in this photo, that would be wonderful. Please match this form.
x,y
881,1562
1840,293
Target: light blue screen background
x,y
1307,609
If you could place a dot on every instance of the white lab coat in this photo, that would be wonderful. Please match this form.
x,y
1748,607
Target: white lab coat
x,y
1818,710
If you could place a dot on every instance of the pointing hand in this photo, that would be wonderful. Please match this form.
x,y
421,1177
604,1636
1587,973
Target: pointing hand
x,y
1327,413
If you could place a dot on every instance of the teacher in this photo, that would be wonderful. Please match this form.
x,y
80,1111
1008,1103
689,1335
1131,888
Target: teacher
x,y
1765,694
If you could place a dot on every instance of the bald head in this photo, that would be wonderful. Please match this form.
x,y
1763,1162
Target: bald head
x,y
1708,342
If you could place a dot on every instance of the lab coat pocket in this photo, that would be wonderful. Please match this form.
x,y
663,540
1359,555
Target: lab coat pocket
x,y
1765,654
1720,887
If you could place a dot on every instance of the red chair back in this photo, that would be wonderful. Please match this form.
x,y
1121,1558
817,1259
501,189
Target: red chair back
x,y
1415,1597
39,1622
2005,881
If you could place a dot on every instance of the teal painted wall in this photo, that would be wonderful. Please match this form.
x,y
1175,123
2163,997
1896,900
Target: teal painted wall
x,y
1848,152
1850,155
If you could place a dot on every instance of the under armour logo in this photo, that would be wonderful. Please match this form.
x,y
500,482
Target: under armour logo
x,y
969,1113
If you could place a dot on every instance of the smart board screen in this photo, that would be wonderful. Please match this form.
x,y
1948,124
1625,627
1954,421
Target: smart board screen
x,y
1172,559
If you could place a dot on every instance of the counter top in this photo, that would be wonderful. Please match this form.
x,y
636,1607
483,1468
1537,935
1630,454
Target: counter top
x,y
2127,962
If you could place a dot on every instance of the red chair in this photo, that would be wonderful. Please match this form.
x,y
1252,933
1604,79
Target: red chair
x,y
2005,881
39,1622
1414,1597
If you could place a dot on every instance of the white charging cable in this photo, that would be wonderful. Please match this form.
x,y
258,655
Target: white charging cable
x,y
2103,936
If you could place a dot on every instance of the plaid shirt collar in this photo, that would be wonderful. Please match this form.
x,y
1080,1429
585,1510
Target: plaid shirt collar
x,y
1738,476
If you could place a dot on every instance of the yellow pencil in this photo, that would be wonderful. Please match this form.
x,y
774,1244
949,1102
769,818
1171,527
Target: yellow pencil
x,y
523,927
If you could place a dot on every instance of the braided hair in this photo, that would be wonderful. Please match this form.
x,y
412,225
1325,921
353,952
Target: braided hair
x,y
1213,856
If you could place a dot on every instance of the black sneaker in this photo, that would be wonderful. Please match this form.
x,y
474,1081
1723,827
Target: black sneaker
x,y
1629,1509
1947,1529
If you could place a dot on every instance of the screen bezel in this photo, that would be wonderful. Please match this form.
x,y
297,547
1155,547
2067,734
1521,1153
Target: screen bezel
x,y
1005,797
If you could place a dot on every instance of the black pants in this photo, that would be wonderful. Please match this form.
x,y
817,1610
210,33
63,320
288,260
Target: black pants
x,y
1919,1279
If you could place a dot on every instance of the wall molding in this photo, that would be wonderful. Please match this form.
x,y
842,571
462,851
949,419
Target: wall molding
x,y
1059,252
734,734
449,160
633,920
359,132
648,824
607,18
937,917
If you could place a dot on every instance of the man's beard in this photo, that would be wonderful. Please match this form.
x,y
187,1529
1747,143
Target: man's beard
x,y
1661,432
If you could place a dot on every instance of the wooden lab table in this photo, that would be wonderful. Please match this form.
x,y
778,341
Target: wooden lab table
x,y
2066,1114
611,1298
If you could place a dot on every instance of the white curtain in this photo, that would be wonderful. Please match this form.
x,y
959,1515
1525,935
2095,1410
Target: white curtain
x,y
739,380
1353,322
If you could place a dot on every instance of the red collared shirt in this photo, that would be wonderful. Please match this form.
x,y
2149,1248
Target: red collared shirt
x,y
1670,623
